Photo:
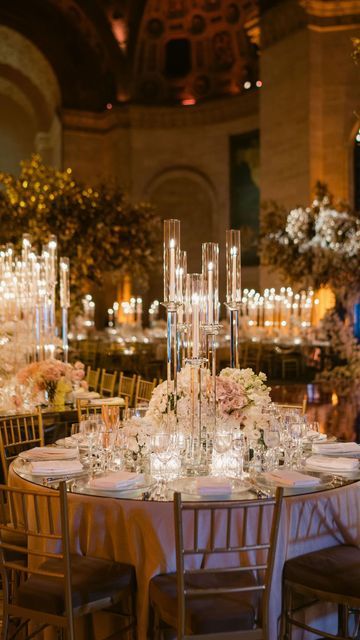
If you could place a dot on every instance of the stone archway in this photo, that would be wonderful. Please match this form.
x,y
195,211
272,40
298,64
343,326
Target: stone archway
x,y
186,194
30,100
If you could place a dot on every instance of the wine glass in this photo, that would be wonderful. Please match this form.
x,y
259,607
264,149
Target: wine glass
x,y
106,443
92,426
238,445
296,433
110,415
162,452
222,440
272,442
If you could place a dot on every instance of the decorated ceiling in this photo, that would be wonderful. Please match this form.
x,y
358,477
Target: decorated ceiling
x,y
146,51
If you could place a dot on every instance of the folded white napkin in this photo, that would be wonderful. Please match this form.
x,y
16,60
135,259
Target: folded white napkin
x,y
335,448
49,453
213,486
289,478
111,401
55,467
81,394
326,463
315,435
117,480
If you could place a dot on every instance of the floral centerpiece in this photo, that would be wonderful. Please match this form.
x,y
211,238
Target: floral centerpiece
x,y
52,378
241,397
316,245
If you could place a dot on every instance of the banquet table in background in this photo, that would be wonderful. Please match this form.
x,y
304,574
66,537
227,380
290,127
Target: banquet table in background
x,y
142,533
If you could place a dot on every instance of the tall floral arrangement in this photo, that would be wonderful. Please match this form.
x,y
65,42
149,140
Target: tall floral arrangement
x,y
98,228
314,246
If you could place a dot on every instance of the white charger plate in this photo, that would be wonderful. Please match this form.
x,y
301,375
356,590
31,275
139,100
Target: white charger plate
x,y
188,487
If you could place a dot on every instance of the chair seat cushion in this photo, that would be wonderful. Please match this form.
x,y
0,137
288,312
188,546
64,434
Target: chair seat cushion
x,y
333,570
207,613
92,579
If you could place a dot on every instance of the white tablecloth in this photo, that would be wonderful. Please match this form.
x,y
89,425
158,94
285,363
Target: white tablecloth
x,y
142,533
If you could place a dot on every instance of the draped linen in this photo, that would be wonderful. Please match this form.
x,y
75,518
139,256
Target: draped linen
x,y
142,533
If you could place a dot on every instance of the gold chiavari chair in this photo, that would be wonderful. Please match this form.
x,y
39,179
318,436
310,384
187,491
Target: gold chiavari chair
x,y
301,407
19,433
54,586
250,356
127,387
209,597
88,350
143,391
92,378
107,383
85,409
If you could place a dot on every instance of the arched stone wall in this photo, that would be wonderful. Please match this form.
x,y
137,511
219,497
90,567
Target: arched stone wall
x,y
186,194
30,101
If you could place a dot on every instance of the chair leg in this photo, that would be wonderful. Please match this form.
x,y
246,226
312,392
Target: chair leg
x,y
156,632
343,615
5,626
288,607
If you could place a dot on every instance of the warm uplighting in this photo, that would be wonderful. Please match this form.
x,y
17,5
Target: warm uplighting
x,y
188,102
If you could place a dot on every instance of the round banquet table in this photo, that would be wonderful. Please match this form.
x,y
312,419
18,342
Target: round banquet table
x,y
142,533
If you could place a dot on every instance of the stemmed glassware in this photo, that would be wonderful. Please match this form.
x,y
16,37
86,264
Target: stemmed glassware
x,y
272,442
91,430
106,443
238,446
111,416
222,440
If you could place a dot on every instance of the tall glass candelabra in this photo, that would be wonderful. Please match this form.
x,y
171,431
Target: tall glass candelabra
x,y
28,300
210,272
233,290
171,303
197,452
65,303
181,314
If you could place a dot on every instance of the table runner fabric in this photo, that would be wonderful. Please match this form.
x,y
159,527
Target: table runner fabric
x,y
142,533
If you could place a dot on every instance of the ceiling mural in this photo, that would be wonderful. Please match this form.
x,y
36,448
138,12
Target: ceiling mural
x,y
190,50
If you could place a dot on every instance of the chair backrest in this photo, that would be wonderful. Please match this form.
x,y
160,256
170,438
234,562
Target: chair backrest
x,y
86,409
127,387
247,529
107,383
19,433
301,407
92,378
43,519
251,356
88,350
144,390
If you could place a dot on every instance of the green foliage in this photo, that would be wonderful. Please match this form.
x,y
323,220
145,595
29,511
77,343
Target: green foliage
x,y
99,229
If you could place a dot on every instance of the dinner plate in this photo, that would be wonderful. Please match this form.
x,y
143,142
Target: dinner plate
x,y
326,481
351,474
23,468
188,487
71,443
25,455
144,485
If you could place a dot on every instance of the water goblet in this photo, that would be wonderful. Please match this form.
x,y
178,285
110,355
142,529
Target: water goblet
x,y
272,442
222,440
92,426
110,415
238,445
106,443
